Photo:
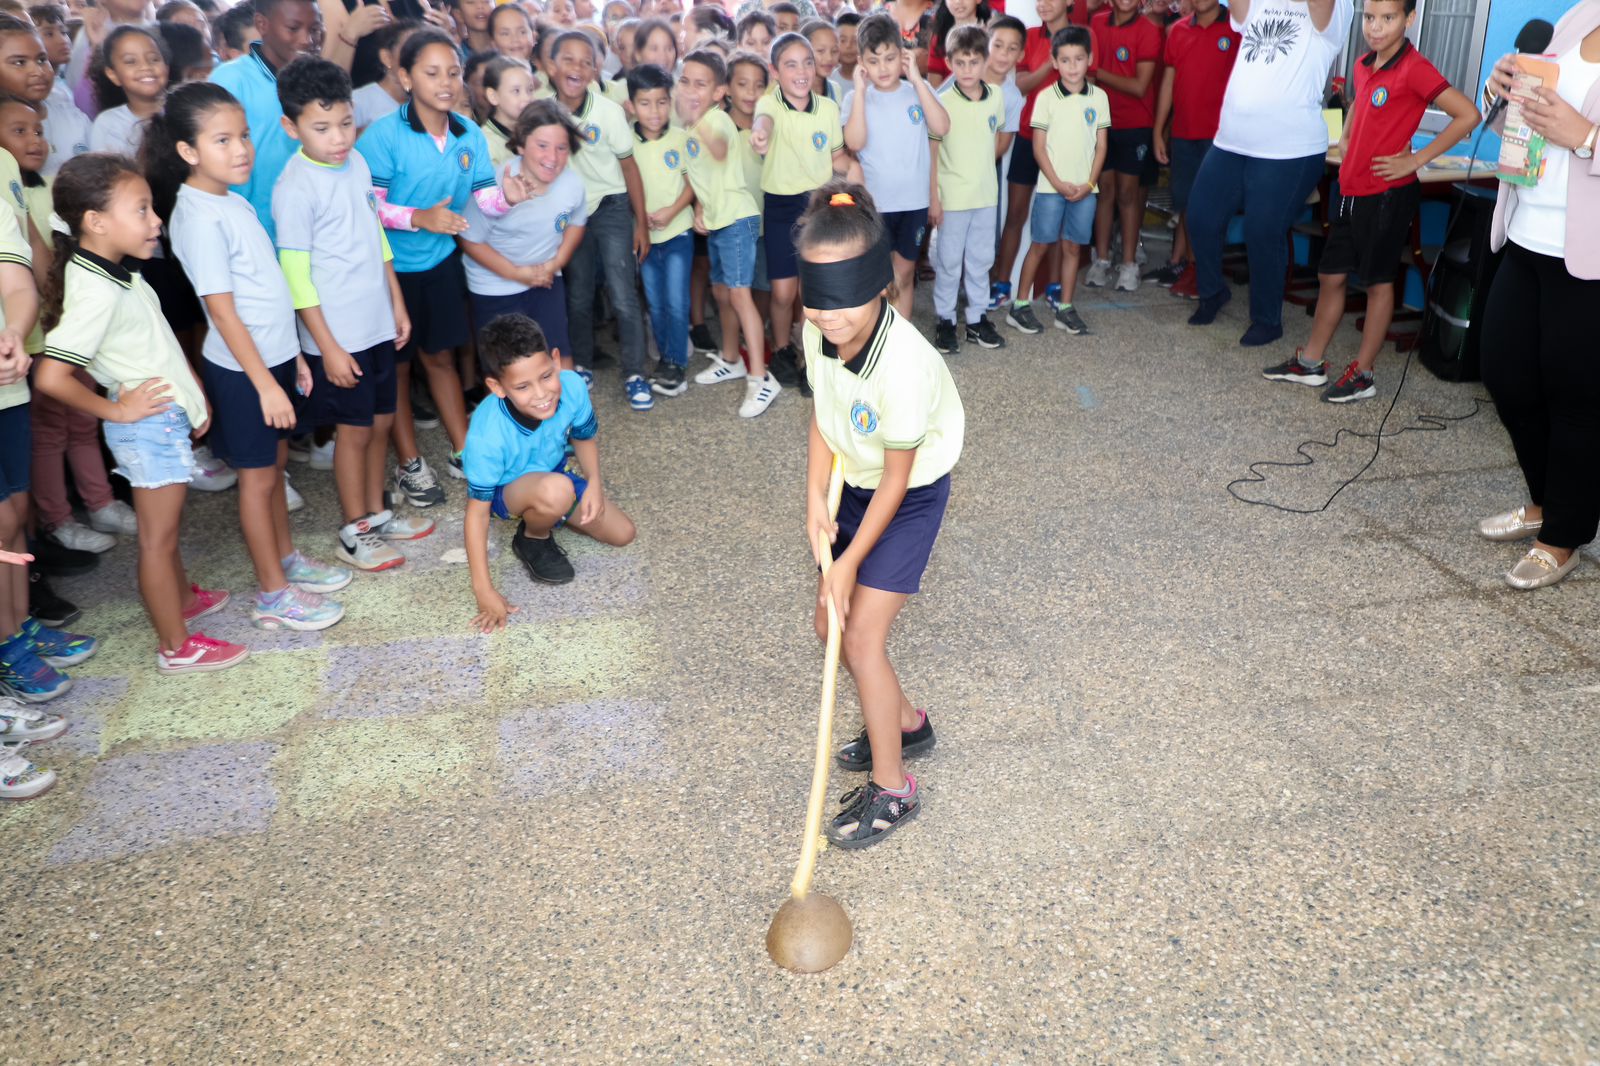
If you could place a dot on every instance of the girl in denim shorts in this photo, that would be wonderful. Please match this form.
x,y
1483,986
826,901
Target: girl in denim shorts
x,y
103,317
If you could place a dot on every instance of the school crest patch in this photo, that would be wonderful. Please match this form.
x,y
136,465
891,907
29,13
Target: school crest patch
x,y
464,160
693,148
16,194
819,140
915,111
994,123
590,134
562,220
1380,96
1224,43
863,418
671,159
1089,115
1123,54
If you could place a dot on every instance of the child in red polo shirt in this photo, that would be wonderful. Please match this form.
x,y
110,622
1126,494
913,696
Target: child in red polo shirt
x,y
1378,193
1127,48
1199,58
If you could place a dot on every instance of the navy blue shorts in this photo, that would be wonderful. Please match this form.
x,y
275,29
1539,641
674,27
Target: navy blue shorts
x,y
548,307
779,216
1024,168
1186,155
906,230
497,506
373,393
436,300
239,435
16,450
898,559
1133,152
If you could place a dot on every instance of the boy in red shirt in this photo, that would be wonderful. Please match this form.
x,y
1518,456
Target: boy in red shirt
x,y
1199,58
1378,193
1127,48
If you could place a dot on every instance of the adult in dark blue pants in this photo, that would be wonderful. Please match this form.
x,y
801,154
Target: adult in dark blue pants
x,y
1269,151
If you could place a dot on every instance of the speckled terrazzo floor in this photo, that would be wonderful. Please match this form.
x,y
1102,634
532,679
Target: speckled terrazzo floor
x,y
1213,782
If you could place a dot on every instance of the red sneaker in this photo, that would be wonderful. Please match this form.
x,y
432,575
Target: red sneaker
x,y
1187,285
200,654
206,601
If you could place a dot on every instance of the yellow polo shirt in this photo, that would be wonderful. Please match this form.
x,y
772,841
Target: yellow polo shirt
x,y
664,170
720,186
14,249
803,143
605,139
752,166
1071,123
896,394
967,178
499,139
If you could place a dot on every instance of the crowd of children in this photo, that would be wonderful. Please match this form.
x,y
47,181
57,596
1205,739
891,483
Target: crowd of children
x,y
231,256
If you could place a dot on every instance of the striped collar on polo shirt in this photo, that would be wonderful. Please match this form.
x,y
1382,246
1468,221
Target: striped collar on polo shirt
x,y
106,268
866,360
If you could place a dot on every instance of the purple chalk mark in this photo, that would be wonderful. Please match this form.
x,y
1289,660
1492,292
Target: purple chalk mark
x,y
605,582
92,699
578,745
138,802
406,676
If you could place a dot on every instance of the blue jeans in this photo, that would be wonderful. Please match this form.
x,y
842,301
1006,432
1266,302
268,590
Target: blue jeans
x,y
665,273
1272,194
607,238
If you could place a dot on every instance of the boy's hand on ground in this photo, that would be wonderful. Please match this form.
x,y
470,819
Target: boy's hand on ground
x,y
838,585
150,398
340,369
439,219
1395,167
493,611
592,506
276,410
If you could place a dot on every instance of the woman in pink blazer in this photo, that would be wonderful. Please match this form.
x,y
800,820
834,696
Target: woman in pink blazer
x,y
1541,325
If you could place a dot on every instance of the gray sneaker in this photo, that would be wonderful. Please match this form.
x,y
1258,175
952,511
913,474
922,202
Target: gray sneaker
x,y
415,482
1022,318
1098,275
1067,318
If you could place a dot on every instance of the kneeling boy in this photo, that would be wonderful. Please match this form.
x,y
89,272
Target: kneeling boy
x,y
516,462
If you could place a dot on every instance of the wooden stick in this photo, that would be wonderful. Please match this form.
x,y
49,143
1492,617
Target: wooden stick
x,y
812,842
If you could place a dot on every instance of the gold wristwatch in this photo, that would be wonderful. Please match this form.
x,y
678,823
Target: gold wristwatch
x,y
1586,149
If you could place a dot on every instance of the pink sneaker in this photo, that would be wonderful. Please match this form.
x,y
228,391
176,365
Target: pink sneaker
x,y
200,654
206,601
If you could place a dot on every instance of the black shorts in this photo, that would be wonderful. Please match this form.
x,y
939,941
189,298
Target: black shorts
x,y
1368,233
372,394
1024,169
906,230
239,434
436,300
900,554
16,450
179,305
1132,152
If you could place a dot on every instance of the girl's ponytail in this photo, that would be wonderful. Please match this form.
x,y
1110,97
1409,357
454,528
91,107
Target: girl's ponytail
x,y
85,183
186,111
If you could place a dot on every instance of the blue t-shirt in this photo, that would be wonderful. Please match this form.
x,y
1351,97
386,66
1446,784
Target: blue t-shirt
x,y
501,449
254,83
414,171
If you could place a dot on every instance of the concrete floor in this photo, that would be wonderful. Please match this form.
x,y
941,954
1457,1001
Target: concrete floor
x,y
1213,781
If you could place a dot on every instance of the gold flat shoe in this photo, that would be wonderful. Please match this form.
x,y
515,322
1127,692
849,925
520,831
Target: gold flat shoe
x,y
1513,525
1539,568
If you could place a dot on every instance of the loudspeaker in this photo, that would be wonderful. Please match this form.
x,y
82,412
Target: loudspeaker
x,y
1458,287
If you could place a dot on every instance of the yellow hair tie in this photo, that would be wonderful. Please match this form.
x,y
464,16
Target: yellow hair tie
x,y
842,199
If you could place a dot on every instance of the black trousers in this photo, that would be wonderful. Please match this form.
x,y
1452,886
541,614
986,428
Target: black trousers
x,y
1541,363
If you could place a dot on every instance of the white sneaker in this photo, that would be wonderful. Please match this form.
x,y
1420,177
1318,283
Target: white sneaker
x,y
1128,277
210,473
1099,274
297,502
720,370
79,537
360,545
20,779
19,722
115,517
321,456
758,396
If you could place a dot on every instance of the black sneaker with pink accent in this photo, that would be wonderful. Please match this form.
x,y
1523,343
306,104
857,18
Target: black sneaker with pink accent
x,y
856,756
871,813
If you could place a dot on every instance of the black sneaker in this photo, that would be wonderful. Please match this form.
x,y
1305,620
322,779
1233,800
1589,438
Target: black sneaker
x,y
542,558
856,756
1067,318
984,335
1296,371
423,414
1022,318
668,380
785,366
944,337
700,337
57,561
871,813
1352,385
46,606
1165,276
